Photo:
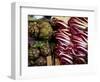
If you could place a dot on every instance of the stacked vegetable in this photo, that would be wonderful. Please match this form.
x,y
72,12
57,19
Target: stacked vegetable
x,y
71,40
57,41
39,33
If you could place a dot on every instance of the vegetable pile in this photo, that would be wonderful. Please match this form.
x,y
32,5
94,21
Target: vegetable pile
x,y
39,33
71,40
57,41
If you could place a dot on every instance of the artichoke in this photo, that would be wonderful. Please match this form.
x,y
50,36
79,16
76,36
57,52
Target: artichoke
x,y
45,29
45,49
41,61
33,29
33,54
43,46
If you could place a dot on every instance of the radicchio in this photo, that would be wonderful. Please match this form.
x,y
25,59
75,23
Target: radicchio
x,y
71,40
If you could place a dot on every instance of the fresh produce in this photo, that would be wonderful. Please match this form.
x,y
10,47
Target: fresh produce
x,y
78,27
41,61
45,29
39,34
57,40
71,38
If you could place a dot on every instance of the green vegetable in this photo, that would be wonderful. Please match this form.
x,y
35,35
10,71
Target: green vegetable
x,y
45,30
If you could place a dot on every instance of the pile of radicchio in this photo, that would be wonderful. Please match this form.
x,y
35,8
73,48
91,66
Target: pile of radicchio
x,y
71,40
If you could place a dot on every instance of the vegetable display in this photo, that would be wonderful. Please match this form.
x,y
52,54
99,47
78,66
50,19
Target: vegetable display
x,y
71,39
57,40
